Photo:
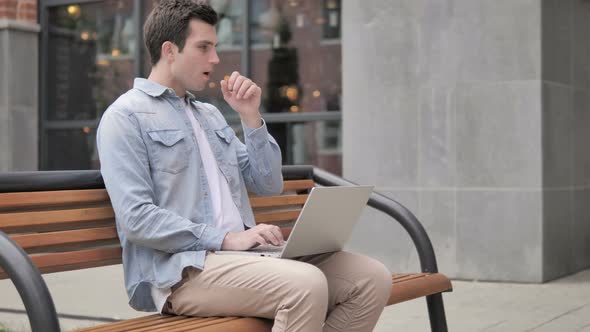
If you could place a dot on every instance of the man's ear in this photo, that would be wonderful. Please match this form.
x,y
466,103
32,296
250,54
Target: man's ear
x,y
168,49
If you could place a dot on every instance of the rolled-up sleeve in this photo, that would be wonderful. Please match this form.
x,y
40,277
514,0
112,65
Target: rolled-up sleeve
x,y
126,173
260,161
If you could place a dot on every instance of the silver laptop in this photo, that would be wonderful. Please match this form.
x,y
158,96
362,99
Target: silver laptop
x,y
324,224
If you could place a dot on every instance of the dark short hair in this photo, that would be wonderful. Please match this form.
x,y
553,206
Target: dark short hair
x,y
169,21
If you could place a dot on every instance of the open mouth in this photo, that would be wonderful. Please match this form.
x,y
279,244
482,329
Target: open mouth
x,y
207,74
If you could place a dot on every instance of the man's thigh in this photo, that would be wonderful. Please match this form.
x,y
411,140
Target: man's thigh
x,y
239,285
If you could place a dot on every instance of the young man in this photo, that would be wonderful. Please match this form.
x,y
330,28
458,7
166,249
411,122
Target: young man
x,y
177,178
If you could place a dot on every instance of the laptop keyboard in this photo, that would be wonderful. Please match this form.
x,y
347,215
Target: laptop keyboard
x,y
268,249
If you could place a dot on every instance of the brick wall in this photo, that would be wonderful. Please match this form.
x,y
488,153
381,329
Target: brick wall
x,y
20,10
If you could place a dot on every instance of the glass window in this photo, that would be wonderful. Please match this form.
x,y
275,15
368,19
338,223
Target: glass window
x,y
331,19
230,24
296,59
71,149
90,58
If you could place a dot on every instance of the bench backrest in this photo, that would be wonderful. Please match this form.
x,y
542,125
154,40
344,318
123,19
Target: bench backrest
x,y
75,229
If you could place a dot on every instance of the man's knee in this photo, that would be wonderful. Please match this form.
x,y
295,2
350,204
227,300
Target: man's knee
x,y
308,284
380,277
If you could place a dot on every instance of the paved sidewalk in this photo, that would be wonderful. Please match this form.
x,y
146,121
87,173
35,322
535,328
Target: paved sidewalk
x,y
85,298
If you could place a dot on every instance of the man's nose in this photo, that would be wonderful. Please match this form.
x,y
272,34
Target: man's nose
x,y
214,58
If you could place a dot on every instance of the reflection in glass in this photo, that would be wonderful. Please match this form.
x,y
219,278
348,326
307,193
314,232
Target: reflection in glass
x,y
90,56
296,59
91,48
72,149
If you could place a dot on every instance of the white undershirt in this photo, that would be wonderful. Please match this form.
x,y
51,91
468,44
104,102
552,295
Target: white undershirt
x,y
225,212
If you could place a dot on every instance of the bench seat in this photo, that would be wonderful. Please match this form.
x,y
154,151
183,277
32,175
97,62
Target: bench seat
x,y
405,287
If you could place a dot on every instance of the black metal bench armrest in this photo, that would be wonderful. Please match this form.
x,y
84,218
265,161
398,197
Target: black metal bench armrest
x,y
380,202
30,285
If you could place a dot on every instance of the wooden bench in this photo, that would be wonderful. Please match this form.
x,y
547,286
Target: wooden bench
x,y
64,221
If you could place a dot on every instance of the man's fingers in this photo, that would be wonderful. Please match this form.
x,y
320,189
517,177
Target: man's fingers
x,y
251,91
269,236
232,80
238,84
224,88
243,88
275,232
261,240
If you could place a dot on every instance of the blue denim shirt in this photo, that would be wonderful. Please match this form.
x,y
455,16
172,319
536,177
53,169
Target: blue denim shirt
x,y
152,170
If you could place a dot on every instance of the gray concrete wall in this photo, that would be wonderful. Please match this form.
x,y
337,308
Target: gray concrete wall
x,y
447,110
19,111
566,129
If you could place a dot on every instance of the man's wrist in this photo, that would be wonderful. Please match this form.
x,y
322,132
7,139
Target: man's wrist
x,y
252,121
225,242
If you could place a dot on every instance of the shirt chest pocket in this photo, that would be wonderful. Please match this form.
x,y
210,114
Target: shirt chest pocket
x,y
226,138
169,150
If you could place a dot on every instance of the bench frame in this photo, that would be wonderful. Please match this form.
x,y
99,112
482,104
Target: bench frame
x,y
37,299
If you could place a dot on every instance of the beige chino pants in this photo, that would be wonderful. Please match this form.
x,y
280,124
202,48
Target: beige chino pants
x,y
338,291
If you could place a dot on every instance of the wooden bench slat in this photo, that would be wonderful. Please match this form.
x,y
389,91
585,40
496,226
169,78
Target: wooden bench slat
x,y
41,220
166,324
66,239
186,325
410,277
52,198
159,323
125,325
277,201
291,185
286,232
273,217
239,325
412,288
74,260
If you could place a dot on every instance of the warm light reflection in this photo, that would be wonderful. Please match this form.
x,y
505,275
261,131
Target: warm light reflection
x,y
294,108
316,93
86,130
85,35
331,4
102,62
74,10
212,85
116,52
291,92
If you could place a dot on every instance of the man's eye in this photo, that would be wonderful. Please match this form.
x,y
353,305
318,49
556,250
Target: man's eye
x,y
204,47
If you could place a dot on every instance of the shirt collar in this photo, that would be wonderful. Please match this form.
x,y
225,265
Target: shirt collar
x,y
156,90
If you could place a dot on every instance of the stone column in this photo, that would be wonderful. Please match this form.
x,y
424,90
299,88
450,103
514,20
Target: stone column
x,y
473,114
19,111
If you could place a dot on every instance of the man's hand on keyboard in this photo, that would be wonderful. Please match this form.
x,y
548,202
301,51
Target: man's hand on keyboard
x,y
262,235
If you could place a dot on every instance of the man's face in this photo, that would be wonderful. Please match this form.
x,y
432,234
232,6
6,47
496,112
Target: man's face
x,y
193,66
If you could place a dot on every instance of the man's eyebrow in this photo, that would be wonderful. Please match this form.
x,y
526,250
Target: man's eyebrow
x,y
206,42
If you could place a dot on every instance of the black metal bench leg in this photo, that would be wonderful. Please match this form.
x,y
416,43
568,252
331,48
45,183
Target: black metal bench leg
x,y
436,312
